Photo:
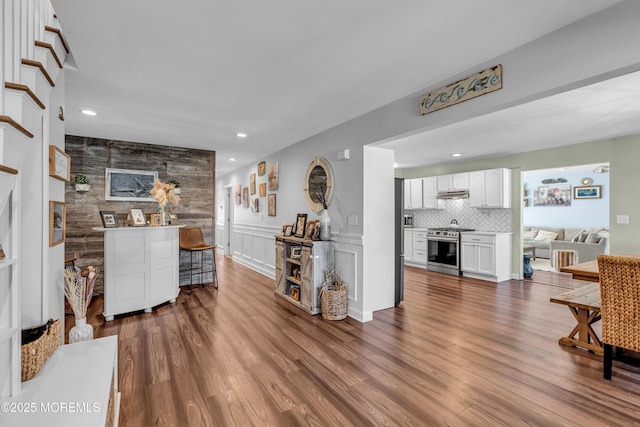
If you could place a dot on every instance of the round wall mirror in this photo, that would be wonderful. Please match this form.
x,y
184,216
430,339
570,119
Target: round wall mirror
x,y
318,184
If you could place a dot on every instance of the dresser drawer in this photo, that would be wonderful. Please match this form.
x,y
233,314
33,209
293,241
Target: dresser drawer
x,y
478,238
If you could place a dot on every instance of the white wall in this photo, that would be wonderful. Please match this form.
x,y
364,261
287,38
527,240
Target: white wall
x,y
594,49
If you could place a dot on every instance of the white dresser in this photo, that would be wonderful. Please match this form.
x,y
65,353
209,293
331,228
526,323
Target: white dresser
x,y
141,268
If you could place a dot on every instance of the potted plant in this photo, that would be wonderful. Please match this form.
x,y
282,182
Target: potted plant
x,y
176,185
81,182
333,298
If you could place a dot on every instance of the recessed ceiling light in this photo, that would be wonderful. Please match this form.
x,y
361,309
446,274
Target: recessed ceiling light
x,y
232,159
395,164
88,112
241,135
456,155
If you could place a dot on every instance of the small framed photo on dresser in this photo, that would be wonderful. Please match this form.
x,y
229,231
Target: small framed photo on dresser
x,y
109,219
137,218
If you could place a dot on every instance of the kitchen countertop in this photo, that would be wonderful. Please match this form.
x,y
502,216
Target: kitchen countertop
x,y
486,232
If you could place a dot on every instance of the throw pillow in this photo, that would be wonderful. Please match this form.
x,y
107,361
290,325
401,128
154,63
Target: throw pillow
x,y
592,238
529,235
581,237
545,236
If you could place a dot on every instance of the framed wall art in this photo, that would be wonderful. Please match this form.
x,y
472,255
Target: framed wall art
x,y
552,195
129,185
59,164
263,189
252,184
262,168
271,205
273,177
57,223
590,192
109,219
245,197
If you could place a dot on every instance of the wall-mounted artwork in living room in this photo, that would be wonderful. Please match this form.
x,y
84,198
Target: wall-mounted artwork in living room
x,y
552,195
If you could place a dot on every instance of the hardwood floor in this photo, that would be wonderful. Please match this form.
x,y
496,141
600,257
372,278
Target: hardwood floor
x,y
456,352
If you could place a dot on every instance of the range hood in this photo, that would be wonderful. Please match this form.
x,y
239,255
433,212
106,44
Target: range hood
x,y
453,194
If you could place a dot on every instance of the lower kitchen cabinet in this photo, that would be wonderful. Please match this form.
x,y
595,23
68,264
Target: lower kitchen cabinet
x,y
486,255
415,247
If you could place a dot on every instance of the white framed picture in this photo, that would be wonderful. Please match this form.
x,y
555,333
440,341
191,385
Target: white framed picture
x,y
129,185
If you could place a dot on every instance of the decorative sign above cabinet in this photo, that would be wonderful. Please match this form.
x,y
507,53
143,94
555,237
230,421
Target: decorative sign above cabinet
x,y
473,86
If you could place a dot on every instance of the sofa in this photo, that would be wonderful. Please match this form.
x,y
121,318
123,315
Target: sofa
x,y
588,242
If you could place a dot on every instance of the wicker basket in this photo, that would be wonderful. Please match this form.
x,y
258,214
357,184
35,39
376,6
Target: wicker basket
x,y
35,353
334,304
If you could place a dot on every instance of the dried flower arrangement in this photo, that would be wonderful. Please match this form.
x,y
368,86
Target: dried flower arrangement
x,y
332,280
163,194
78,288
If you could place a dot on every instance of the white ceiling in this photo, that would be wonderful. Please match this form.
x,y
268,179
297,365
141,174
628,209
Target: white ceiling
x,y
195,73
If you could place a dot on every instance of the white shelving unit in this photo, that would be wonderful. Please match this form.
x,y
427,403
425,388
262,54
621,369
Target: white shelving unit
x,y
77,386
10,362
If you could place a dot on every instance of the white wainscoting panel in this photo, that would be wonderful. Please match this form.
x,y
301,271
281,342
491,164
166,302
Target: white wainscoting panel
x,y
254,246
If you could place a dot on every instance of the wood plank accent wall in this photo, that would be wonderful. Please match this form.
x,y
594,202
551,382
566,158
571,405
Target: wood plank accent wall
x,y
195,169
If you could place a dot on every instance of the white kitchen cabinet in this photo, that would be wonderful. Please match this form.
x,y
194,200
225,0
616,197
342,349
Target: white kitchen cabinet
x,y
141,268
458,181
486,255
408,245
490,188
429,193
413,193
415,247
420,248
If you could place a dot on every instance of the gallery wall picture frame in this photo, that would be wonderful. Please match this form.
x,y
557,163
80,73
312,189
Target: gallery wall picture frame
x,y
552,195
137,217
272,178
109,219
301,224
255,205
59,164
587,192
262,189
252,184
57,223
271,205
262,168
129,185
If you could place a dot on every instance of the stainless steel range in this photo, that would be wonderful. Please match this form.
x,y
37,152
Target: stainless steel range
x,y
443,249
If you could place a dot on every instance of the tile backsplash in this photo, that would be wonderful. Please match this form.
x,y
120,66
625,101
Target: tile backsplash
x,y
468,217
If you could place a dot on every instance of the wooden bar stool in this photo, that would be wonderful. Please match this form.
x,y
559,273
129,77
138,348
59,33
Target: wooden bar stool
x,y
192,241
564,257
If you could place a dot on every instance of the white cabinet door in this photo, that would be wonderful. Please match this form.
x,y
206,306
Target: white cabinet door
x,y
407,194
490,188
444,182
476,189
416,193
408,245
460,181
429,193
468,258
486,259
420,247
497,183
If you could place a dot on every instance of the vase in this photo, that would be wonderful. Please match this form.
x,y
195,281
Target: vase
x,y
325,226
164,217
82,331
527,270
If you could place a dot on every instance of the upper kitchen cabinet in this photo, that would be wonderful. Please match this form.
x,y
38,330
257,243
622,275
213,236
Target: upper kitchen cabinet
x,y
413,193
429,193
490,188
458,181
